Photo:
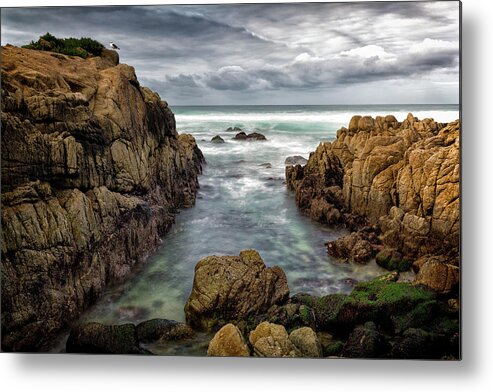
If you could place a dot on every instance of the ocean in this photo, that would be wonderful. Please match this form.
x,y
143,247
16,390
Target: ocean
x,y
243,203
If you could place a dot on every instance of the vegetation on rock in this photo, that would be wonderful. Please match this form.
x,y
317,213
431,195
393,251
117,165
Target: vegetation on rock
x,y
81,47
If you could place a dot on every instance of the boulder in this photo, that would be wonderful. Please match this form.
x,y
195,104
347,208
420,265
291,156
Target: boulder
x,y
217,139
356,247
306,341
438,276
295,160
228,342
234,129
97,338
233,288
162,330
252,136
272,340
392,260
365,342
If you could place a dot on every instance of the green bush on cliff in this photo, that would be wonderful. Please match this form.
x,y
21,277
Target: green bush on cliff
x,y
82,47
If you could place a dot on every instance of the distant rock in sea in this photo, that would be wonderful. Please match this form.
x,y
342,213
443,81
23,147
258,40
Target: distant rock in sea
x,y
251,136
217,139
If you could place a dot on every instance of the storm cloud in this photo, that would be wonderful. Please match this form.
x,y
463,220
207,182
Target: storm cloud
x,y
271,53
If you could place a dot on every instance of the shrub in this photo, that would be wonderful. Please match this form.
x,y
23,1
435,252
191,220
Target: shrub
x,y
82,47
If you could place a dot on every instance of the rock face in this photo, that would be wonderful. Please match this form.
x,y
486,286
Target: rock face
x,y
228,342
401,179
93,172
232,288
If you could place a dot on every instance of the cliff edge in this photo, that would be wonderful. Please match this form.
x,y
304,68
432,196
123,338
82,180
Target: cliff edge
x,y
93,172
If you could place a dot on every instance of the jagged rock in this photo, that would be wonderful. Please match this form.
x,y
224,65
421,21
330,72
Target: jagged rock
x,y
306,341
232,288
295,160
228,342
97,338
355,247
217,139
272,340
402,176
92,172
163,330
438,276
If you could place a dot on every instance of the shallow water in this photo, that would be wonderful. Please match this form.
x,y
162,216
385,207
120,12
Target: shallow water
x,y
243,203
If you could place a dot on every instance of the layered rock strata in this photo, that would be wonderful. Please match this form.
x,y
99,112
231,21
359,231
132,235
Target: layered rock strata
x,y
93,172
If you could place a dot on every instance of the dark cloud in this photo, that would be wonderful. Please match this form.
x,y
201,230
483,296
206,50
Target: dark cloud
x,y
190,51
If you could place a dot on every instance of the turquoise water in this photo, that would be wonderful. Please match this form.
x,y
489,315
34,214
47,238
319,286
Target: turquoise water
x,y
243,203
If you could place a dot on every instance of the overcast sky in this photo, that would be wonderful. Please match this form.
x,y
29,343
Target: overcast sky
x,y
332,53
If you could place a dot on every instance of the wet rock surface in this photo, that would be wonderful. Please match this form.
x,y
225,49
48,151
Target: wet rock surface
x,y
233,288
93,172
395,185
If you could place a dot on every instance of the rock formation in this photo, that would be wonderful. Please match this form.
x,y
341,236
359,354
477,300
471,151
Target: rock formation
x,y
233,288
251,136
93,172
395,185
239,297
228,342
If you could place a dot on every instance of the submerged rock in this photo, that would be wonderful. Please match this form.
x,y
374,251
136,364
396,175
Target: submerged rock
x,y
162,329
252,136
234,129
97,338
232,288
228,342
217,139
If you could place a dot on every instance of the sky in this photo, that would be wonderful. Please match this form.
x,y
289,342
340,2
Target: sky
x,y
293,53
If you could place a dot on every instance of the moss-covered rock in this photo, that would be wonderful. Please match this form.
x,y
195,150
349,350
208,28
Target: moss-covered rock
x,y
97,338
392,260
162,329
365,341
376,300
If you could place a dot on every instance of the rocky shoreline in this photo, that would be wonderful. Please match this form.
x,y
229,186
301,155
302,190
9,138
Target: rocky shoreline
x,y
395,186
93,173
248,307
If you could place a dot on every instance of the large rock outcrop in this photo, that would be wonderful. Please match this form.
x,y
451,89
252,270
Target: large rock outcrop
x,y
232,289
401,180
93,172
